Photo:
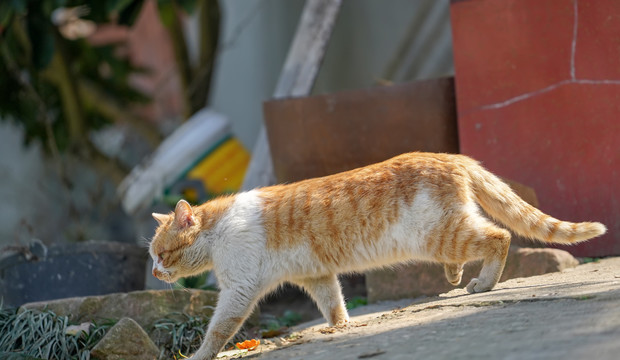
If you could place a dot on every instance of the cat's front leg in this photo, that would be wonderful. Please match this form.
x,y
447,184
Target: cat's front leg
x,y
233,307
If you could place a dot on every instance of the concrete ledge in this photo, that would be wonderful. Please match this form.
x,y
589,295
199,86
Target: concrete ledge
x,y
145,307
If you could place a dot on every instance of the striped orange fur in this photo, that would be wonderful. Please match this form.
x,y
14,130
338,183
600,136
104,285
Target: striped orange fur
x,y
414,206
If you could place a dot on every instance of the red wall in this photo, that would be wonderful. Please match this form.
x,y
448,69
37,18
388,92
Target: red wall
x,y
538,97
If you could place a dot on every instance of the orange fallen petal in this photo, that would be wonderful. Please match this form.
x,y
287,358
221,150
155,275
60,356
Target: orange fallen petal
x,y
248,344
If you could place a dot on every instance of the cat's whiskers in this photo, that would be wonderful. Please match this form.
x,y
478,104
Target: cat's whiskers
x,y
145,242
184,288
170,285
172,288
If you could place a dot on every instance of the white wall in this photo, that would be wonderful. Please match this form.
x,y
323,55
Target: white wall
x,y
249,64
36,204
24,192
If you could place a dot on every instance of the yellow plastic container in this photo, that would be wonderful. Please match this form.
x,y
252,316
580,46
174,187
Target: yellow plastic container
x,y
219,171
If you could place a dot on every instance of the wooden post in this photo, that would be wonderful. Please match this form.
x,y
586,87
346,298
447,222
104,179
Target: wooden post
x,y
296,79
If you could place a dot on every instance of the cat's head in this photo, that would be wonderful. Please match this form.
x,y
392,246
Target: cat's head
x,y
171,247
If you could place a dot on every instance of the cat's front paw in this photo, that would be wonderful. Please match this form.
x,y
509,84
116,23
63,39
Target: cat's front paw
x,y
477,286
341,323
471,287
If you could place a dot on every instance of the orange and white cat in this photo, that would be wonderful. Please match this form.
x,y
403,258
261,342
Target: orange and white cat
x,y
416,206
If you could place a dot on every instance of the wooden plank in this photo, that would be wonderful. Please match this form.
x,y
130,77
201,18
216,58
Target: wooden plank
x,y
296,79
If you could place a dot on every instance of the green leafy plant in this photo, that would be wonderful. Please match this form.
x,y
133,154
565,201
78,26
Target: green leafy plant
x,y
290,318
194,282
34,334
273,325
356,301
60,87
62,91
587,260
180,333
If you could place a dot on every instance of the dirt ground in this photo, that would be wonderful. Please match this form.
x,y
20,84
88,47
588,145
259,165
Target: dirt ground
x,y
573,314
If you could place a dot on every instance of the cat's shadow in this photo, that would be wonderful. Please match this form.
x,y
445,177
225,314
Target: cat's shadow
x,y
550,290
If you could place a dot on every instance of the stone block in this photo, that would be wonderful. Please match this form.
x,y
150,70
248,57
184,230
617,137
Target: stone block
x,y
145,307
424,279
125,340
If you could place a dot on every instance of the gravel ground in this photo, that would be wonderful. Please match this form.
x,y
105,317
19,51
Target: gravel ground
x,y
573,314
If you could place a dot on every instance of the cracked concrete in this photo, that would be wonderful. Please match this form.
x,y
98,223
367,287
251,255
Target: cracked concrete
x,y
567,315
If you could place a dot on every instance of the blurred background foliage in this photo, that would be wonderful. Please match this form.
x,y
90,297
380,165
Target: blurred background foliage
x,y
60,87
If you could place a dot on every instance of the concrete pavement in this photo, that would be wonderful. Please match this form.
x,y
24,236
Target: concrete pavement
x,y
573,314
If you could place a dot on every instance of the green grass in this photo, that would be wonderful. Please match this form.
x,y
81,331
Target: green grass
x,y
180,333
33,334
276,324
36,335
290,318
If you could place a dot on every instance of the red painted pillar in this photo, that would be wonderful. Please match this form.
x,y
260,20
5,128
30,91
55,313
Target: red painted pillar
x,y
538,99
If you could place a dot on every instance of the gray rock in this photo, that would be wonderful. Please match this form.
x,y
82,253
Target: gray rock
x,y
125,340
145,307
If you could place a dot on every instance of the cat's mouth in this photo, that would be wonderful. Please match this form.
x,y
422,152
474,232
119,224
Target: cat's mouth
x,y
164,276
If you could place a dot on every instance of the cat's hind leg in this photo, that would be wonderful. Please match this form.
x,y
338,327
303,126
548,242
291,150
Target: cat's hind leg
x,y
327,294
454,273
491,244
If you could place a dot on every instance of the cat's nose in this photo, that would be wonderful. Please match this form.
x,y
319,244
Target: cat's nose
x,y
156,273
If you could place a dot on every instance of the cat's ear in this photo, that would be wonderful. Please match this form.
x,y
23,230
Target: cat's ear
x,y
184,215
161,218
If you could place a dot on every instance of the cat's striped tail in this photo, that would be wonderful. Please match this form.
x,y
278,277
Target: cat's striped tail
x,y
499,201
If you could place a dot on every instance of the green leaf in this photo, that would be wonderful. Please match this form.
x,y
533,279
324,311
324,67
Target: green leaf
x,y
166,12
16,356
41,38
188,5
19,6
356,301
117,5
130,13
6,13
